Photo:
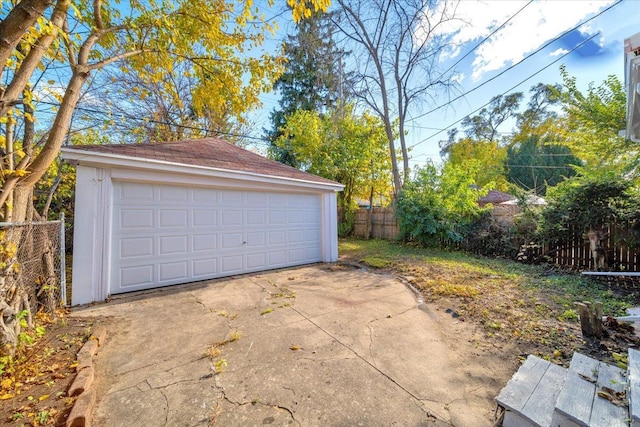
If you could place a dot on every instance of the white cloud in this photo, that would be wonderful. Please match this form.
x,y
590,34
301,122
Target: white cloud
x,y
558,52
537,23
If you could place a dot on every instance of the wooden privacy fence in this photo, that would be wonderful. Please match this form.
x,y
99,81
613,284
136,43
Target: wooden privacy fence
x,y
380,221
576,253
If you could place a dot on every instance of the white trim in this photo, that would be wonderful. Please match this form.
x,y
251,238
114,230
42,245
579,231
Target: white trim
x,y
94,208
114,160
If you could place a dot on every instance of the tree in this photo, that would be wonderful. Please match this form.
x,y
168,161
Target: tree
x,y
343,146
484,125
488,155
37,36
313,79
591,203
538,119
591,124
396,51
534,165
211,33
138,108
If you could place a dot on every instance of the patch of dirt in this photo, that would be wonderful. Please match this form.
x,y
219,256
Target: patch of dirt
x,y
34,387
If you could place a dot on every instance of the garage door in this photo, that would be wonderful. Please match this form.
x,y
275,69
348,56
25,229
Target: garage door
x,y
164,235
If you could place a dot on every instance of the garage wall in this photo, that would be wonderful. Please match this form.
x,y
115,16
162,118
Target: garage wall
x,y
100,238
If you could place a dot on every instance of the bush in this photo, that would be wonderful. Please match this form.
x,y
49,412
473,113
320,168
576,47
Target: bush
x,y
436,207
583,204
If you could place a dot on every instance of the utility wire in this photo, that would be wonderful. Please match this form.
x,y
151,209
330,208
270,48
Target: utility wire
x,y
160,122
509,90
516,64
485,39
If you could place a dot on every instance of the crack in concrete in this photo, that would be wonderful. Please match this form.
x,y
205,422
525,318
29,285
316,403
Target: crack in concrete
x,y
168,359
198,300
371,343
384,374
166,405
222,391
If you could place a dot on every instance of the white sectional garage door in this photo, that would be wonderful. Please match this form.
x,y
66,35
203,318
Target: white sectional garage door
x,y
165,235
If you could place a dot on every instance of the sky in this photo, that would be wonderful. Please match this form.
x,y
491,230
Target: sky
x,y
513,57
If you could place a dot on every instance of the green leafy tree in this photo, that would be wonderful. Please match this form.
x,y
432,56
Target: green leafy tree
x,y
484,125
591,124
344,146
490,157
313,79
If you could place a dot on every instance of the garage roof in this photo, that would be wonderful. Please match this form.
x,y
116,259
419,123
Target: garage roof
x,y
210,153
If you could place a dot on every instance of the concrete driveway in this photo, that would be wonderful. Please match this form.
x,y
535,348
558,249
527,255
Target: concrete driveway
x,y
322,345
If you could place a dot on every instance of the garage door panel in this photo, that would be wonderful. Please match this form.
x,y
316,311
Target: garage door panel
x,y
136,247
172,245
231,218
257,260
205,218
278,199
297,255
136,192
173,194
232,264
295,217
172,271
167,234
205,197
204,268
256,217
137,276
277,237
136,218
256,199
173,218
232,198
232,240
256,239
277,217
296,236
277,258
205,242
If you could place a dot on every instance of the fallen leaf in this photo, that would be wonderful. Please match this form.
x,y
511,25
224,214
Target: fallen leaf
x,y
294,348
7,396
43,397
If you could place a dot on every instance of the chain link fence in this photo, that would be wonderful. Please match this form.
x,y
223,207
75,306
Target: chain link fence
x,y
36,249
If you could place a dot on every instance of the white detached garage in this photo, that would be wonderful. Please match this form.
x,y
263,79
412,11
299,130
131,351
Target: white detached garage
x,y
151,215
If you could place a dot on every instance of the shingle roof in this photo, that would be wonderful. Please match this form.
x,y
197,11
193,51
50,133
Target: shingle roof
x,y
208,152
495,197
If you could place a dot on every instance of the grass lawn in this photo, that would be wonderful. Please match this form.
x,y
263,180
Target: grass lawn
x,y
512,303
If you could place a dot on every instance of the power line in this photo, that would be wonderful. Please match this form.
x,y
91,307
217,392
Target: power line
x,y
516,64
160,122
485,39
510,89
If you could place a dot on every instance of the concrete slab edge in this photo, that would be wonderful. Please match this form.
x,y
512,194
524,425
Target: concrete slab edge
x,y
82,385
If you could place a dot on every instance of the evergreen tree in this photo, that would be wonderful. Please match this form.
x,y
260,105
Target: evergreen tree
x,y
313,79
535,165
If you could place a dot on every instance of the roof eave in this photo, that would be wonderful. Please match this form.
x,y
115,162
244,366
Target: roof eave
x,y
90,158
